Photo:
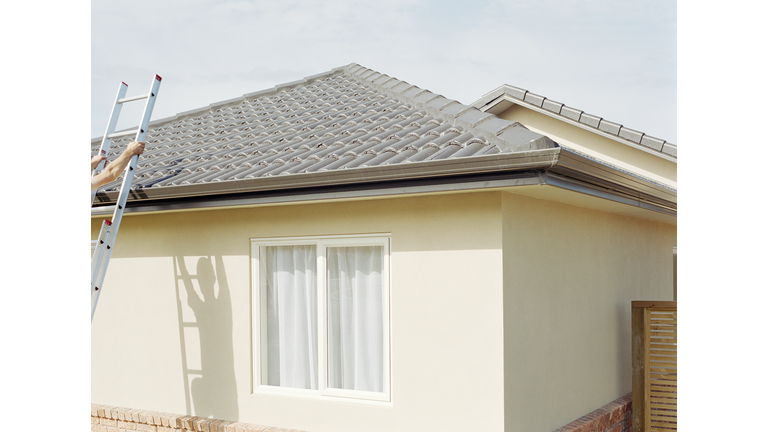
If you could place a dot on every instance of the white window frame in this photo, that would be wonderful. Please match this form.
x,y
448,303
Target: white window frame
x,y
259,339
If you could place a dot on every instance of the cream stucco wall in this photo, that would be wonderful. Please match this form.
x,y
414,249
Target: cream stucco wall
x,y
606,149
508,312
570,274
446,314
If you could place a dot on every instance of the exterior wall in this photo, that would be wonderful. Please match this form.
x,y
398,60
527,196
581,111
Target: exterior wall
x,y
570,275
600,147
446,314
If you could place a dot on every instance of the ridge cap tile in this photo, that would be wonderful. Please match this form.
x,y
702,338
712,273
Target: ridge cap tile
x,y
392,82
473,116
438,102
589,119
494,125
571,113
654,143
670,149
403,84
411,92
609,127
454,109
515,92
534,99
425,96
552,106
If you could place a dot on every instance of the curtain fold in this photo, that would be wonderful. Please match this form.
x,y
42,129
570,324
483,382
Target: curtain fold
x,y
291,316
355,318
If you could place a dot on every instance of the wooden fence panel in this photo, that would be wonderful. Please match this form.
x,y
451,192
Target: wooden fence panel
x,y
654,366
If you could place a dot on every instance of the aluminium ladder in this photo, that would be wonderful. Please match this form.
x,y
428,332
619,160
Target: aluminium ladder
x,y
102,248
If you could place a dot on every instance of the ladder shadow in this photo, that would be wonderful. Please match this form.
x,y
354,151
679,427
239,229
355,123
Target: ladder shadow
x,y
205,325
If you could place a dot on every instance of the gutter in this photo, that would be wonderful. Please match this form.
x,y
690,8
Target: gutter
x,y
557,167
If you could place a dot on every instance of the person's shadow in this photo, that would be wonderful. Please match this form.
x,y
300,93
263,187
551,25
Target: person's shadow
x,y
214,394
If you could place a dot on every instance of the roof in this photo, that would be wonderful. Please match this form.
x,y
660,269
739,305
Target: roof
x,y
350,127
574,116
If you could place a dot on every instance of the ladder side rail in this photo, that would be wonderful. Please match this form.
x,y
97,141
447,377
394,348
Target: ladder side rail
x,y
130,170
99,263
98,247
106,141
148,108
125,190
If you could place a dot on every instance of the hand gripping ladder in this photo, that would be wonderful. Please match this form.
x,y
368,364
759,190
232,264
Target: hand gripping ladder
x,y
103,246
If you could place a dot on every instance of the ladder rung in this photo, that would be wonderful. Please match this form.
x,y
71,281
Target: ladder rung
x,y
124,133
132,98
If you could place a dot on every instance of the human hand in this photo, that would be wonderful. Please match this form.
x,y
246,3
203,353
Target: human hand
x,y
135,148
96,160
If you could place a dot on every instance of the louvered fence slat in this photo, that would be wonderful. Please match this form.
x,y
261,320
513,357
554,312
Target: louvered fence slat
x,y
654,366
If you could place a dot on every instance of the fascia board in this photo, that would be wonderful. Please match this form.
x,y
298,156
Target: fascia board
x,y
606,193
504,162
573,165
338,193
495,100
557,167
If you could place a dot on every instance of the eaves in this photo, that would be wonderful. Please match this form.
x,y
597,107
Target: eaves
x,y
558,167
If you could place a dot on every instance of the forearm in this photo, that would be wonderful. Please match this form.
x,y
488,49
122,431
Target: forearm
x,y
113,170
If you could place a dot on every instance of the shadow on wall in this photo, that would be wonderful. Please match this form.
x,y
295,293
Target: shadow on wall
x,y
205,329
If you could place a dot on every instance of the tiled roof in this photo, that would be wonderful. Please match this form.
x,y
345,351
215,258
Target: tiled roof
x,y
346,119
576,115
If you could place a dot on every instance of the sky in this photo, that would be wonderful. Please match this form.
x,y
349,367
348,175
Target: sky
x,y
616,60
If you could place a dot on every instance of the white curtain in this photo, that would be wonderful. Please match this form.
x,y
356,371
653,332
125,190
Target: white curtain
x,y
291,316
355,318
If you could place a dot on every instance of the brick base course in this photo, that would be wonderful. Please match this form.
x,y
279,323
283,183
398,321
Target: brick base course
x,y
613,417
107,418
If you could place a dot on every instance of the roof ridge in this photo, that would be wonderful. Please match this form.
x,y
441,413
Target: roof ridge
x,y
578,116
266,92
507,135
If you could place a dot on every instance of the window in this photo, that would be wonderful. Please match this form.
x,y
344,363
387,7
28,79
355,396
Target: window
x,y
321,316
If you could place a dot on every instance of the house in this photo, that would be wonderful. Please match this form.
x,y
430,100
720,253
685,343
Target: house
x,y
351,252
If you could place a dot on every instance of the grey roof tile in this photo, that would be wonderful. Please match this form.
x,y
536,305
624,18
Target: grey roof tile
x,y
589,119
425,96
348,118
551,105
610,127
652,142
493,125
515,92
473,116
573,114
631,135
534,99
669,149
454,109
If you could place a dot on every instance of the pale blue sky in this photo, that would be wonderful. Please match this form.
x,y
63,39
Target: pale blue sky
x,y
616,60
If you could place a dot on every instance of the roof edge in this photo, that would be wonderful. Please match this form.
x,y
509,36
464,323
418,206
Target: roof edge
x,y
537,159
508,136
591,173
576,117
